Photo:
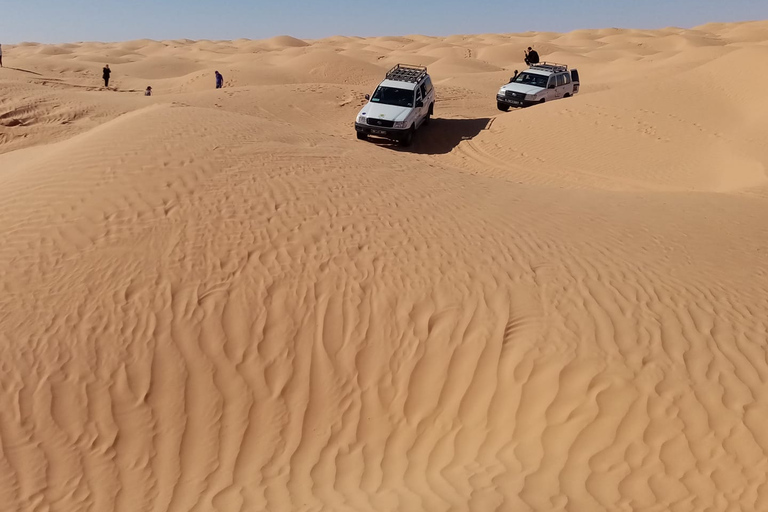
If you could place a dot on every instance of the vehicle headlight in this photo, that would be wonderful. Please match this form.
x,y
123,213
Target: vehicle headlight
x,y
399,124
361,119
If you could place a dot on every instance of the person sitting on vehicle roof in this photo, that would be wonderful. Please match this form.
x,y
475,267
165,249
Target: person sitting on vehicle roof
x,y
531,56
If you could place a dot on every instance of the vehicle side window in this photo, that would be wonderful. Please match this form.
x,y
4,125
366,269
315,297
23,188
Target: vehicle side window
x,y
418,94
560,80
427,86
423,90
567,78
552,81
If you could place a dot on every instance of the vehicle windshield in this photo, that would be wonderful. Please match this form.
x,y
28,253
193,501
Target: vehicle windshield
x,y
532,79
393,96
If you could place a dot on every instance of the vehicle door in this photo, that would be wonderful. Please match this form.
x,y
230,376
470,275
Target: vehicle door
x,y
428,91
562,86
551,93
575,80
419,107
568,87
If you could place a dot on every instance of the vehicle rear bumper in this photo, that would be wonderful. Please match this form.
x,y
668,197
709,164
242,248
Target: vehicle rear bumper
x,y
378,131
513,102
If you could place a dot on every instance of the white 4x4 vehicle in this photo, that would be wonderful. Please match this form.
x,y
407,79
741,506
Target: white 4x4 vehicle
x,y
401,103
537,84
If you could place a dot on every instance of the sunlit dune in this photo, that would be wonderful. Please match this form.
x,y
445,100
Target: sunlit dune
x,y
221,300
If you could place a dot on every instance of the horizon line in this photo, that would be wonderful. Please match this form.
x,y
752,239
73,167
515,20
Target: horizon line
x,y
354,36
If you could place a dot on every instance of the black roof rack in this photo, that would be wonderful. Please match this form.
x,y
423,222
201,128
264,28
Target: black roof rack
x,y
407,73
550,66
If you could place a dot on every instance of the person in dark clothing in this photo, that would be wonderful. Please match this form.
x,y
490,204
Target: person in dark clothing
x,y
531,56
513,78
219,80
105,75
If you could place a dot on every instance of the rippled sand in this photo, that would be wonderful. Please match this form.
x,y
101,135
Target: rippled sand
x,y
222,301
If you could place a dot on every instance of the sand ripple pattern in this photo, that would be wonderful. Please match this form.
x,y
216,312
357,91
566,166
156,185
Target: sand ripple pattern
x,y
222,309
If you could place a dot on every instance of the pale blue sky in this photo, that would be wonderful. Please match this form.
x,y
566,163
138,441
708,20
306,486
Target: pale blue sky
x,y
53,21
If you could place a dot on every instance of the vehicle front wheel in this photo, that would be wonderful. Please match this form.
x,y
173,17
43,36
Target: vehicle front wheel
x,y
429,113
361,136
408,139
502,106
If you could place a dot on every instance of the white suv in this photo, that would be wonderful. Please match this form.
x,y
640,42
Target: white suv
x,y
537,84
401,103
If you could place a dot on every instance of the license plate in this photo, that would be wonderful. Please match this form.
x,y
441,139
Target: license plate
x,y
378,132
515,102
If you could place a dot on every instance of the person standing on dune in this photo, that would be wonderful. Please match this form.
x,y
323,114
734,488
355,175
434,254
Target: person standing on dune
x,y
105,75
1,55
219,80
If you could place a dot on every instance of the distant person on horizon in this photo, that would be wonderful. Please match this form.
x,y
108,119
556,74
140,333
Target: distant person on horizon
x,y
531,56
1,55
148,92
105,75
219,80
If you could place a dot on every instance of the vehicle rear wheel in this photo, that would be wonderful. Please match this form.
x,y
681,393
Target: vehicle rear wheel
x,y
408,139
361,136
567,95
502,106
542,100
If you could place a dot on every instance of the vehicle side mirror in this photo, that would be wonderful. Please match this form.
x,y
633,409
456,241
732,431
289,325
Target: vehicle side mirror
x,y
419,104
367,96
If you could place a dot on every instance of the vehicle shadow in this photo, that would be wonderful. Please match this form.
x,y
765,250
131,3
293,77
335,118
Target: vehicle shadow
x,y
440,136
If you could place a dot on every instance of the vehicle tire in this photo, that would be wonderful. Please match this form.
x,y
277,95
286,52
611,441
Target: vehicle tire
x,y
502,106
361,136
408,139
567,95
542,100
429,113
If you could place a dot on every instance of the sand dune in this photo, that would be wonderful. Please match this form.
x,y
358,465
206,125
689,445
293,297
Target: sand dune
x,y
220,300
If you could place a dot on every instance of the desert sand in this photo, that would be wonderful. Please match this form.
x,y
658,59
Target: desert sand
x,y
220,300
